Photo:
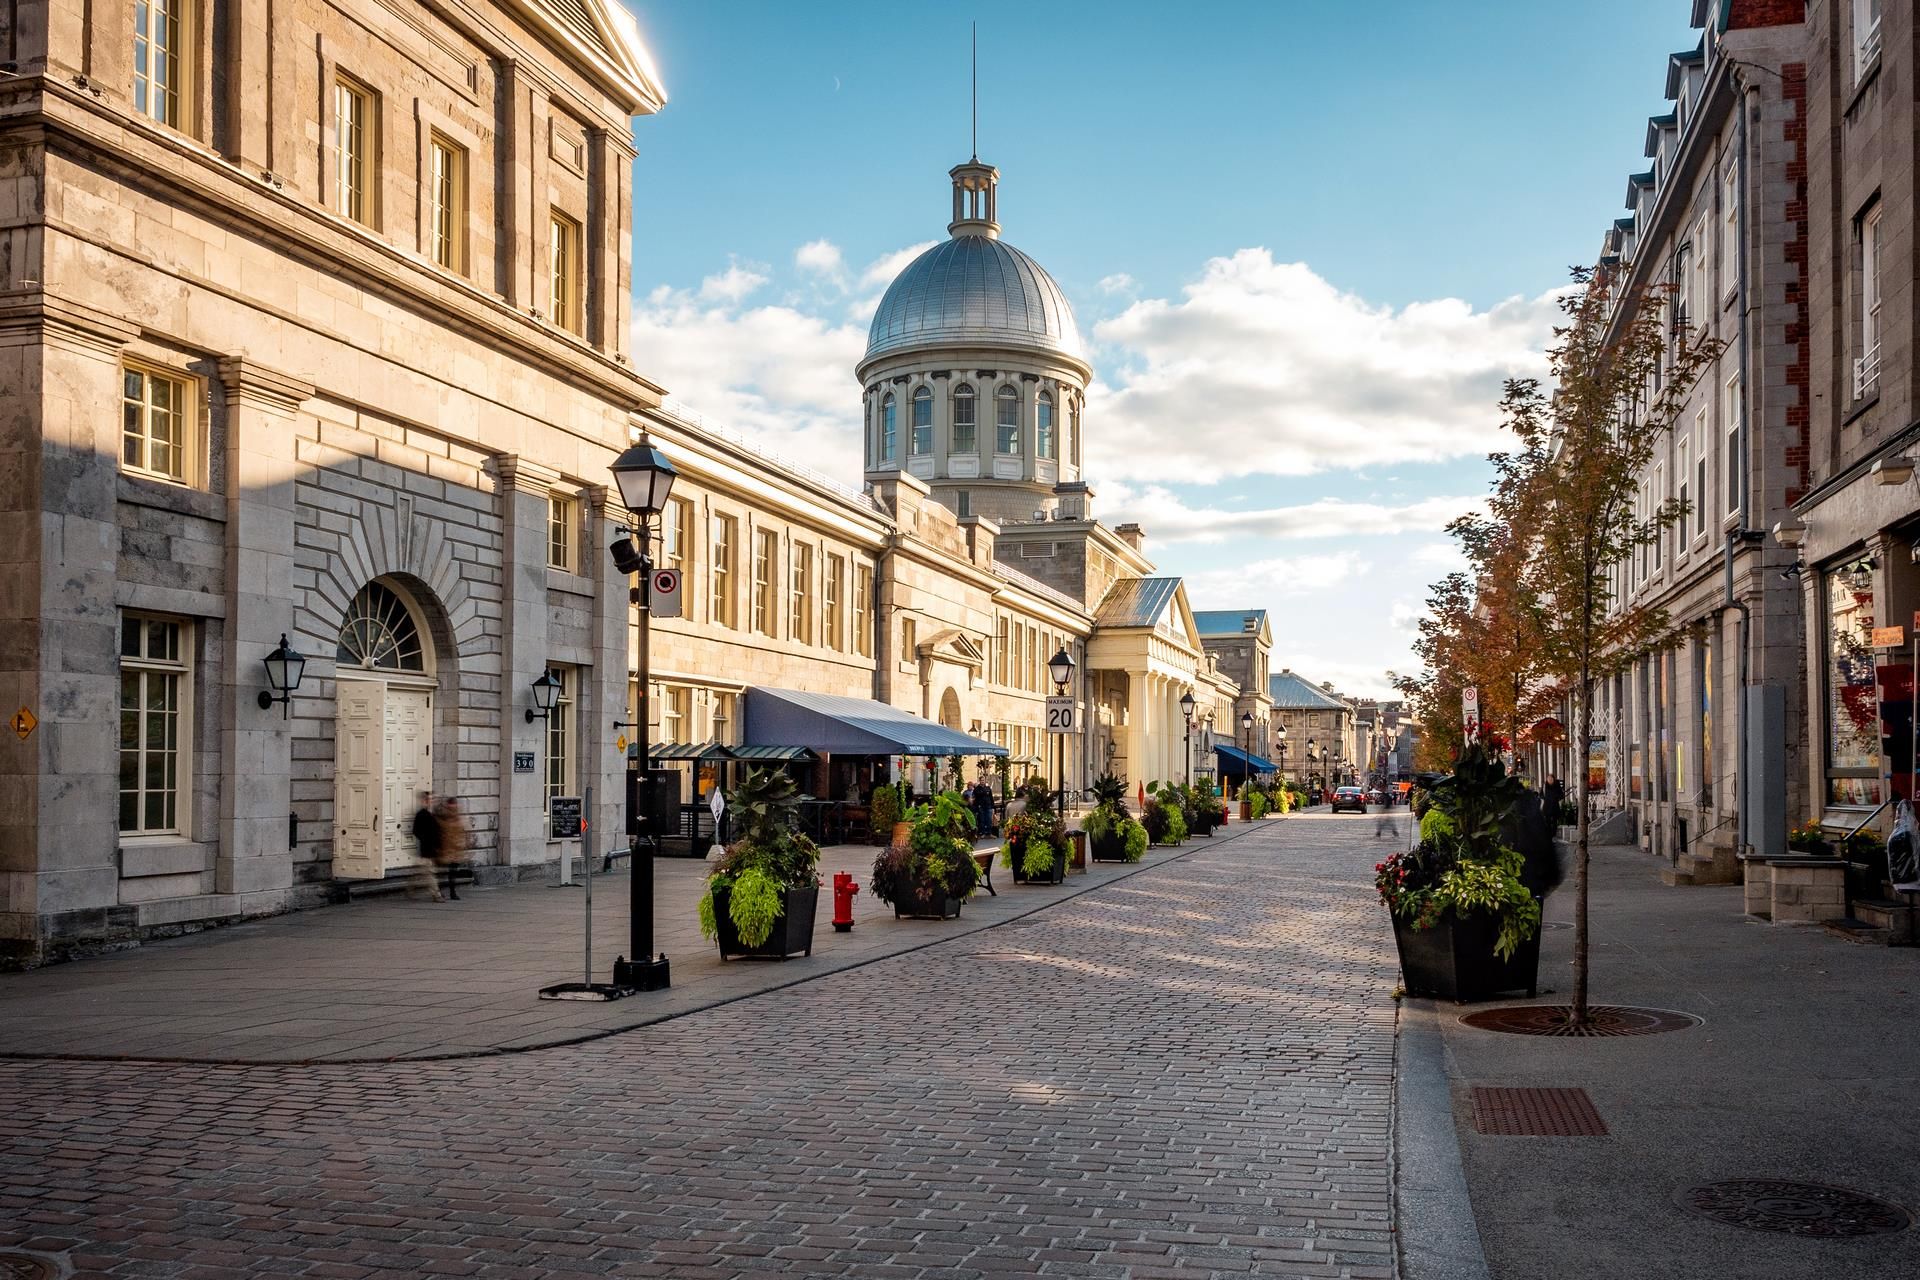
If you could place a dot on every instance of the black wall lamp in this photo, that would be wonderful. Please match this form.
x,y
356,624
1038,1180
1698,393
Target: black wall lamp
x,y
285,667
546,690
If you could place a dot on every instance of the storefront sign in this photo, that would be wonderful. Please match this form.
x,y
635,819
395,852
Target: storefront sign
x,y
1889,637
563,818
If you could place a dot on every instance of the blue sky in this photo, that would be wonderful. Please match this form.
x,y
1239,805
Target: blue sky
x,y
1306,239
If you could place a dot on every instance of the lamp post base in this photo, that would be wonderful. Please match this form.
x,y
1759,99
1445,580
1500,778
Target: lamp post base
x,y
642,975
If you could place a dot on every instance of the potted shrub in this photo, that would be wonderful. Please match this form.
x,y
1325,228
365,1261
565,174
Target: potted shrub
x,y
1809,838
1465,921
885,814
1202,809
1112,834
929,875
1036,847
764,887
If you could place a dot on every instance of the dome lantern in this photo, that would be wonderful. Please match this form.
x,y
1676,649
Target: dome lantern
x,y
976,200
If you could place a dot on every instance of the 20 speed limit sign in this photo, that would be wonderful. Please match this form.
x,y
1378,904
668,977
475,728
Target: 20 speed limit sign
x,y
1060,715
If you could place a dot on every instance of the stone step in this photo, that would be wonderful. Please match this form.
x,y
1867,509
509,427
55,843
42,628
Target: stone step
x,y
1699,868
1896,918
1856,930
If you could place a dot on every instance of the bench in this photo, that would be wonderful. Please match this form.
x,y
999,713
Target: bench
x,y
985,857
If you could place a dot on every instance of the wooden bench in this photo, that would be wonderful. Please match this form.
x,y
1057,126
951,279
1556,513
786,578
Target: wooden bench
x,y
985,857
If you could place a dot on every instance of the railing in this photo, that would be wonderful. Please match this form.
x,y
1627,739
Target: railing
x,y
1866,371
1868,50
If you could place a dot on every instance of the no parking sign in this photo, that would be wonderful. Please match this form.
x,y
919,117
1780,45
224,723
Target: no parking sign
x,y
663,593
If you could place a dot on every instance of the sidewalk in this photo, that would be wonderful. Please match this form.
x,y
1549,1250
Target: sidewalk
x,y
401,978
1804,1069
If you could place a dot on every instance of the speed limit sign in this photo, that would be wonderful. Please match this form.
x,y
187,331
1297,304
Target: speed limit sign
x,y
1060,714
663,593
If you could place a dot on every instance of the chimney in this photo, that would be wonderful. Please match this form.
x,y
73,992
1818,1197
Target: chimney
x,y
1133,535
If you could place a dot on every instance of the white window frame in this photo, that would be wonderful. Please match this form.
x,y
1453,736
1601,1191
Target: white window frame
x,y
446,203
1005,445
160,99
565,242
356,135
175,669
561,726
918,446
1866,37
971,423
1683,481
863,610
766,552
800,592
563,532
185,411
1729,232
833,626
722,534
675,552
1730,439
1866,365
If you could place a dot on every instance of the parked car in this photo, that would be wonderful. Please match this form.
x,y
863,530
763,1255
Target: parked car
x,y
1349,798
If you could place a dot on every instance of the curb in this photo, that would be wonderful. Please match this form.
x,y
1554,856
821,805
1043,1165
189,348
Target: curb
x,y
1435,1235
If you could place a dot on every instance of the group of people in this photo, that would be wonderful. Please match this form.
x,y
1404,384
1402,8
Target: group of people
x,y
440,834
980,799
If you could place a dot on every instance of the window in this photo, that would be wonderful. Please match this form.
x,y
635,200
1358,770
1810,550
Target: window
x,y
560,734
1043,428
1703,445
379,633
965,500
873,446
352,139
564,260
766,545
1866,366
675,519
922,442
966,431
562,535
836,634
800,595
909,641
1658,498
1701,309
1729,230
1866,36
863,611
156,418
889,428
1006,419
673,702
725,718
446,203
1683,476
1853,715
721,570
1730,462
1000,651
157,64
153,699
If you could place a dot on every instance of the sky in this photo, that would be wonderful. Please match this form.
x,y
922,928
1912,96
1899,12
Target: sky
x,y
1307,242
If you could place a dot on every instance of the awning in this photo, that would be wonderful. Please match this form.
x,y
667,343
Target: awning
x,y
833,725
1241,761
689,751
783,754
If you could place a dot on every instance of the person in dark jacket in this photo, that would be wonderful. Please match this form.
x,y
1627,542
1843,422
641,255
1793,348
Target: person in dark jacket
x,y
427,839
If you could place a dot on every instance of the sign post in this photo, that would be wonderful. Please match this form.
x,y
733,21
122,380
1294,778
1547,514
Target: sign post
x,y
1470,707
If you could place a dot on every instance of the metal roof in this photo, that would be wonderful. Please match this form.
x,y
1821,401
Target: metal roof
x,y
1296,693
834,725
974,291
1135,602
1228,622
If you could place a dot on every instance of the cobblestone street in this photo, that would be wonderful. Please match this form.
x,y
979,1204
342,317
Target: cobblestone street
x,y
1187,1073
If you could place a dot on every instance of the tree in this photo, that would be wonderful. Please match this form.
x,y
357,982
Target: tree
x,y
1573,482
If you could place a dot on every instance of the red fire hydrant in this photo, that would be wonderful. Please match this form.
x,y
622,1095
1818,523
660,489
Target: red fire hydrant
x,y
843,890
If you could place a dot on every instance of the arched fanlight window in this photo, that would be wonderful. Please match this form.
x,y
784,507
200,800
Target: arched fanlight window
x,y
380,634
966,437
1006,420
1043,425
889,428
922,441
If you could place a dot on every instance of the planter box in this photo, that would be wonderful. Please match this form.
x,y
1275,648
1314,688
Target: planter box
x,y
1057,876
928,908
1455,960
792,932
1111,849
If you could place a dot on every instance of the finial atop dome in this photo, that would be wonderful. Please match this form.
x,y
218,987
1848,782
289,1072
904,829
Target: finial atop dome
x,y
976,200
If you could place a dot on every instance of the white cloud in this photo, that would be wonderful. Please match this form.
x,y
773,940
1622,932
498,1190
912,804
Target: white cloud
x,y
734,284
881,271
1446,556
820,258
1118,282
1169,518
1265,368
1231,587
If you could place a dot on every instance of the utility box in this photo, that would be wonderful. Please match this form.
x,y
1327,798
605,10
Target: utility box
x,y
1763,792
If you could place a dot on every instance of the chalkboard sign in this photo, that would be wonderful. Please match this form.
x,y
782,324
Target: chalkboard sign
x,y
523,762
563,818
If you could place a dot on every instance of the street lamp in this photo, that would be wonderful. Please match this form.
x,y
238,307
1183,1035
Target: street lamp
x,y
644,478
285,666
1186,709
1060,667
1246,749
1280,739
546,691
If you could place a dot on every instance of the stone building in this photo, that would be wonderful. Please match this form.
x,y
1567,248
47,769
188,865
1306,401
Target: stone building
x,y
1321,743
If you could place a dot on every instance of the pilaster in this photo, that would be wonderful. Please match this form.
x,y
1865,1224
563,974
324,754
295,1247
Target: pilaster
x,y
604,699
525,487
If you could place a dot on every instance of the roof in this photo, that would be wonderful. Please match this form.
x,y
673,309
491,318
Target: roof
x,y
834,725
1135,602
1296,693
974,290
1229,622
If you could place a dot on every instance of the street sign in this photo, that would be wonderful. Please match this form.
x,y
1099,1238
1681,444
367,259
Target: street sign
x,y
563,818
663,598
23,722
1470,704
1060,714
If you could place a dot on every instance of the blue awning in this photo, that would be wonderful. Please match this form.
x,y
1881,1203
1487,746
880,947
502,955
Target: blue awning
x,y
833,725
1242,762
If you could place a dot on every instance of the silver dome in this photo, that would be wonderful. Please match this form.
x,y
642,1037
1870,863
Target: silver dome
x,y
973,290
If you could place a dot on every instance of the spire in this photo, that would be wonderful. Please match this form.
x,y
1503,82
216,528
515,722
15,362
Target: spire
x,y
976,201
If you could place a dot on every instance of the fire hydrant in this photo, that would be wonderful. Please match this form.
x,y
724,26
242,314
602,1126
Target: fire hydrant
x,y
843,890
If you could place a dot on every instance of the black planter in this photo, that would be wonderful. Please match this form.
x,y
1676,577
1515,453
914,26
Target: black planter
x,y
1455,960
1112,848
1057,876
792,932
932,906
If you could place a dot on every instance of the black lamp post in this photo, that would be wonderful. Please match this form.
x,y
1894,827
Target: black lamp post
x,y
1186,709
645,478
1060,667
285,667
1246,748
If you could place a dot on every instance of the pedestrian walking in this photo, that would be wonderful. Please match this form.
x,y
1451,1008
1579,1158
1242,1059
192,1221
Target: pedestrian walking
x,y
426,842
982,799
453,840
1384,824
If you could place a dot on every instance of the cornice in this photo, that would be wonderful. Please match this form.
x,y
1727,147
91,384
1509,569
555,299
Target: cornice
x,y
37,316
518,474
269,389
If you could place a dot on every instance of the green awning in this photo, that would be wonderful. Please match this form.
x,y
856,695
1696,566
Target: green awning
x,y
771,753
689,751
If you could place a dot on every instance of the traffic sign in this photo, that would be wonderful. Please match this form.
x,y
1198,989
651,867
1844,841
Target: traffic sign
x,y
663,595
1060,714
1470,704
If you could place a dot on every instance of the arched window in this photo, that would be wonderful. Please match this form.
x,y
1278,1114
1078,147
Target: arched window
x,y
1006,420
380,634
1043,425
889,428
922,442
966,437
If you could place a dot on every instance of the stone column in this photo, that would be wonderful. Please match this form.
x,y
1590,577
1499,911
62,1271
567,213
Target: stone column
x,y
1136,728
524,489
254,863
59,547
604,700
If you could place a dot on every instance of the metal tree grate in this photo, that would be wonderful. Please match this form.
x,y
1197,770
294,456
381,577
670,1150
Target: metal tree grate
x,y
1556,1020
1794,1208
1536,1113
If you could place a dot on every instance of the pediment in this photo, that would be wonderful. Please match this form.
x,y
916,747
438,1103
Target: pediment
x,y
953,645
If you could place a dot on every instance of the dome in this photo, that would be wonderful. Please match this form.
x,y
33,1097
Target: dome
x,y
974,290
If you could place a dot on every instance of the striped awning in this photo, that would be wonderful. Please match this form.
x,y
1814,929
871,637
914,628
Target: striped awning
x,y
771,753
689,751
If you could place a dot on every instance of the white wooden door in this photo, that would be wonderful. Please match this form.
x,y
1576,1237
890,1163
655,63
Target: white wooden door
x,y
358,780
407,754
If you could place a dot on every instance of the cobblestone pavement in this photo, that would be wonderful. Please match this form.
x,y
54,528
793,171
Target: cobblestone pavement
x,y
1184,1074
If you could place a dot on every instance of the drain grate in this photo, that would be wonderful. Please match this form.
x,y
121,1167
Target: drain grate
x,y
15,1265
1794,1208
1536,1113
1602,1020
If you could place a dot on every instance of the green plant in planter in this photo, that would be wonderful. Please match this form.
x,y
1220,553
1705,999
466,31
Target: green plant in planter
x,y
768,858
1109,822
937,861
885,812
1035,835
1257,803
1110,792
1809,837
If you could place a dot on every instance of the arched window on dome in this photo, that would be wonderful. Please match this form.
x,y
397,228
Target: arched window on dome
x,y
1006,420
1043,426
889,428
966,428
921,443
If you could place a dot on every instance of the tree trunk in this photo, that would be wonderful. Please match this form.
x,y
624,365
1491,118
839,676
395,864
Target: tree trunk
x,y
1579,1011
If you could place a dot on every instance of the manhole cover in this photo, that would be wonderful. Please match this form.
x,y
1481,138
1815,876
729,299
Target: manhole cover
x,y
1796,1208
1536,1113
15,1265
1602,1020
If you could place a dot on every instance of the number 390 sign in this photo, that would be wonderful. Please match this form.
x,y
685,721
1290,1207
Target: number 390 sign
x,y
1059,715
